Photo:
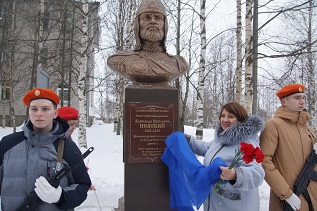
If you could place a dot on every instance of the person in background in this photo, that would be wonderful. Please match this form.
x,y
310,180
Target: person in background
x,y
70,114
241,192
28,157
286,142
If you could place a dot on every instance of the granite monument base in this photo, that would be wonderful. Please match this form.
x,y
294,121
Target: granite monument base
x,y
150,115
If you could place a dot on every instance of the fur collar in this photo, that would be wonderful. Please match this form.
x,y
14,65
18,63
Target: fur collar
x,y
239,132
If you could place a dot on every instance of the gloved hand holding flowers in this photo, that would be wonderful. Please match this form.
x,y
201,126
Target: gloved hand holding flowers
x,y
247,153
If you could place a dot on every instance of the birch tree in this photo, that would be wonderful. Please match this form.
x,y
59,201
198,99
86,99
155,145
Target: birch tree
x,y
239,54
201,78
248,58
130,20
82,140
119,88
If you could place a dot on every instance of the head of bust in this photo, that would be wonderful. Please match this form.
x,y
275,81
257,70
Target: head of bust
x,y
150,26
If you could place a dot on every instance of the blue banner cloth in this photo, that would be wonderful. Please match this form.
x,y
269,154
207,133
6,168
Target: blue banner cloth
x,y
189,180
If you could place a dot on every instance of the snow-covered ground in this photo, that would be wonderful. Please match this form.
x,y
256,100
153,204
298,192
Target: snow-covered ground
x,y
106,167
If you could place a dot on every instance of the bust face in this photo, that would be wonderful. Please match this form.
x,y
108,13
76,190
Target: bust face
x,y
151,27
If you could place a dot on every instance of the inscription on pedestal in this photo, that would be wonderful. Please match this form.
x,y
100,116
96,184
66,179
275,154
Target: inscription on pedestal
x,y
149,125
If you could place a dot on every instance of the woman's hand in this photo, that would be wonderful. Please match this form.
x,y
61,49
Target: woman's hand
x,y
228,174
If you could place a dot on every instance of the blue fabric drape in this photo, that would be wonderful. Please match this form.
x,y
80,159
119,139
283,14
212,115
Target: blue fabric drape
x,y
189,180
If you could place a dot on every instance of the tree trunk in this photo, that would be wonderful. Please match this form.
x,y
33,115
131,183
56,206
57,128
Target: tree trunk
x,y
202,67
129,31
248,58
82,140
239,54
255,57
117,121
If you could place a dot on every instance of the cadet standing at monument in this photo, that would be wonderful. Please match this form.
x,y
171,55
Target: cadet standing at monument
x,y
29,157
286,142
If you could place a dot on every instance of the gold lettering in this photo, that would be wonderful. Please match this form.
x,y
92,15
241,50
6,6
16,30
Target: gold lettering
x,y
152,126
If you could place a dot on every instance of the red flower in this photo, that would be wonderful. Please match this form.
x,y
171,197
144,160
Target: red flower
x,y
247,153
259,156
247,158
246,148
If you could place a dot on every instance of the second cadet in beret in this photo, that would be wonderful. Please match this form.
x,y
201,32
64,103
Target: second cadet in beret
x,y
68,113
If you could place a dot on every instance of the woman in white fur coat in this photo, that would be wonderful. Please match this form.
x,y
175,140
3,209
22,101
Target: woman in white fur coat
x,y
241,191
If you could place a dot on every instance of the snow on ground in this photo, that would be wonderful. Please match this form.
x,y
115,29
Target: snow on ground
x,y
106,167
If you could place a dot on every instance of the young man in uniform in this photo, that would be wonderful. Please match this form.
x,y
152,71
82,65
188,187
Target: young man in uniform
x,y
286,142
38,152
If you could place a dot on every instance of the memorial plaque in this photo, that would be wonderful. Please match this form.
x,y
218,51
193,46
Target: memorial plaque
x,y
150,115
149,125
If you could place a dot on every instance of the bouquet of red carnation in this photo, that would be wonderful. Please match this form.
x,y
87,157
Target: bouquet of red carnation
x,y
247,153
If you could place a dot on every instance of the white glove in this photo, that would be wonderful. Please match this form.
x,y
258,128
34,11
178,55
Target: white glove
x,y
46,192
315,147
294,201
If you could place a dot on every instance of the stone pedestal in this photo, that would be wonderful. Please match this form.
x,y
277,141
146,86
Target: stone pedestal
x,y
150,115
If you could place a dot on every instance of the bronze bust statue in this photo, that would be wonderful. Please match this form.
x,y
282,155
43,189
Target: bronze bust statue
x,y
149,63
